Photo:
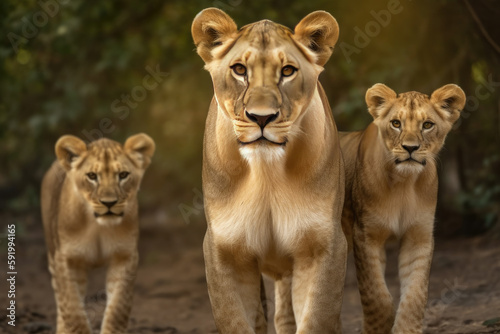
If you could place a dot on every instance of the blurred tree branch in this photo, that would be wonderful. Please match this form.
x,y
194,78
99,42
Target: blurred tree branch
x,y
485,33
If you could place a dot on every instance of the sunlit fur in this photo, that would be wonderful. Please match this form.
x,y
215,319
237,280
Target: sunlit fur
x,y
81,232
273,205
391,197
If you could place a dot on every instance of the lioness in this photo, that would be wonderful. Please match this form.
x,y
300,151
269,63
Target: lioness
x,y
273,175
391,193
89,212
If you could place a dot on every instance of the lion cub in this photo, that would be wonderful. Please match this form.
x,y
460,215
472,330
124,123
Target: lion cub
x,y
391,193
90,217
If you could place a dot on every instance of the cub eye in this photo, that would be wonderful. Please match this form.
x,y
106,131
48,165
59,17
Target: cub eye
x,y
92,176
123,175
288,71
395,123
239,69
428,125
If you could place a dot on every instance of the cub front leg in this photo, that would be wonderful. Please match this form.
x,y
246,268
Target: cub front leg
x,y
284,319
370,259
58,291
234,289
414,265
69,281
120,291
318,286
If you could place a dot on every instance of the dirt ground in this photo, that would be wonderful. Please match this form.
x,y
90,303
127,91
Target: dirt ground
x,y
171,294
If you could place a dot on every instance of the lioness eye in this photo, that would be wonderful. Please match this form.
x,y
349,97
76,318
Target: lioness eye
x,y
92,176
239,69
395,123
288,71
428,125
123,175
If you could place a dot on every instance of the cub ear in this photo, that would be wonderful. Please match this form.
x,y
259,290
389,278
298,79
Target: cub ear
x,y
69,148
318,32
140,148
211,28
450,99
377,97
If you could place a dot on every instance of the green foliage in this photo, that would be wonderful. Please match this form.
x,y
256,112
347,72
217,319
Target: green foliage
x,y
492,322
74,73
482,201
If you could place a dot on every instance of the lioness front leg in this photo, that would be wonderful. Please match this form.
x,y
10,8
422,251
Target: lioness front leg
x,y
234,291
414,265
318,286
370,259
119,289
70,279
284,319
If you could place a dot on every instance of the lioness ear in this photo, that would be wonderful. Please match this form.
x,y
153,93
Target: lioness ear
x,y
211,28
377,97
450,99
68,148
140,148
319,32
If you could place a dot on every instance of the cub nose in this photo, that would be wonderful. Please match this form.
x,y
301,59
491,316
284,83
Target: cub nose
x,y
410,149
109,204
262,120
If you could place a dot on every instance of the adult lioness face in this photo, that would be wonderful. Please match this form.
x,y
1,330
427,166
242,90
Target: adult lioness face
x,y
413,125
264,74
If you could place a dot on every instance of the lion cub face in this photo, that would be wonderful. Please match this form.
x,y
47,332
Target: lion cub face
x,y
264,74
105,173
413,125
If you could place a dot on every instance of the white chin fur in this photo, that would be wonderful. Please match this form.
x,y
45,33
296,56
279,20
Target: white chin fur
x,y
109,220
266,153
408,168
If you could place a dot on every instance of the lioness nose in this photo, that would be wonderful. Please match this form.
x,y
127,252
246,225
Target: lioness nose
x,y
410,149
262,120
109,204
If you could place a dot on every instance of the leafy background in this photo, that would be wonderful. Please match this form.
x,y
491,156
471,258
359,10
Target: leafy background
x,y
63,75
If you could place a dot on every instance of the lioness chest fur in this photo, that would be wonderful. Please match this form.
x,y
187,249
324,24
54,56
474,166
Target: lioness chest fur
x,y
273,175
90,218
391,193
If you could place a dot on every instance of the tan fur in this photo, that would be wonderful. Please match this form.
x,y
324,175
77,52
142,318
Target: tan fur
x,y
390,198
273,205
80,235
